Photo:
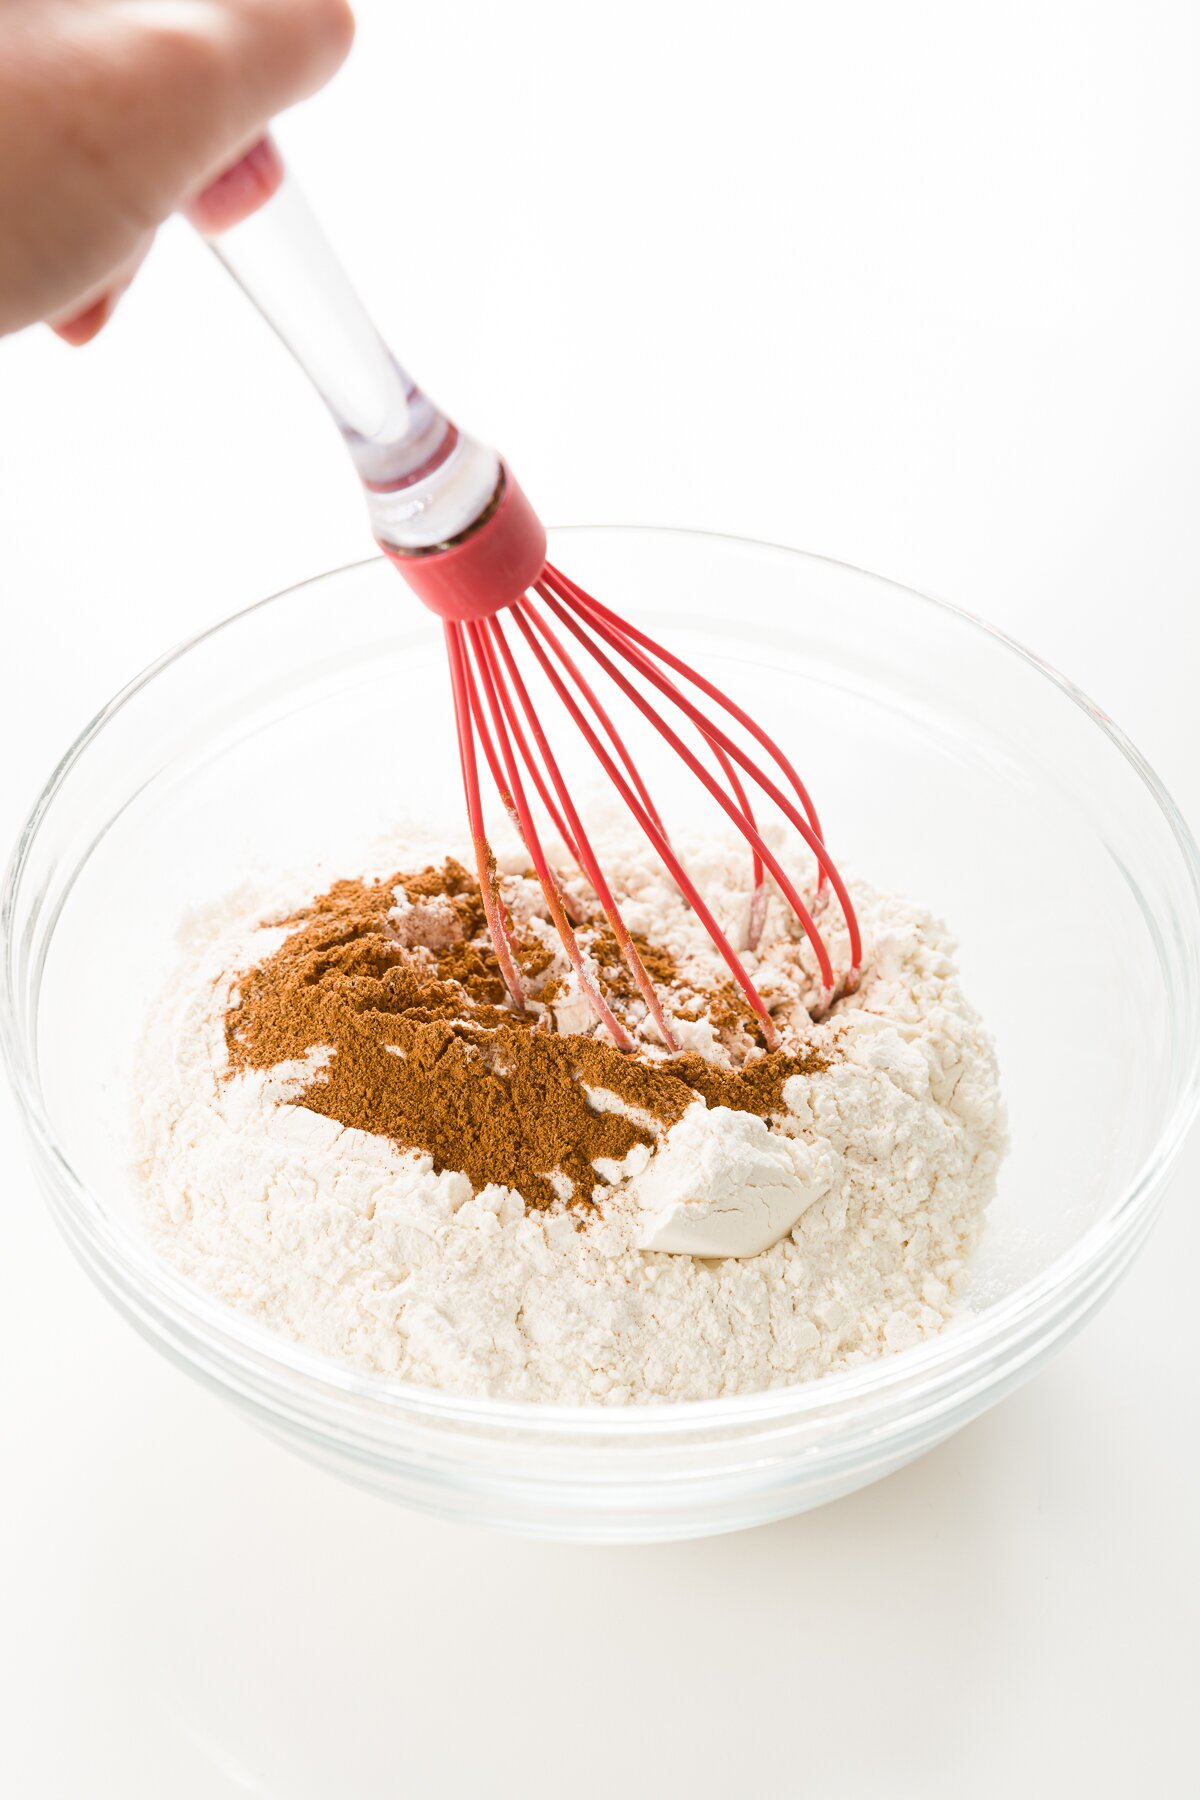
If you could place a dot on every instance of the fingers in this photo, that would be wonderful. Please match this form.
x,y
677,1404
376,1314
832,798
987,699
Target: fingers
x,y
86,325
238,191
93,312
198,82
230,71
114,113
283,50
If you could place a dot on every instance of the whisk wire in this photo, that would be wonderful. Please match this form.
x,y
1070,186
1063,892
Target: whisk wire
x,y
570,592
758,898
758,890
758,894
463,691
536,776
494,709
531,624
585,855
618,744
749,832
499,704
489,749
808,827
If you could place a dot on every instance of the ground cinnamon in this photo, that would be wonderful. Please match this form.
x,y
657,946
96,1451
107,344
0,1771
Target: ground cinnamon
x,y
426,1051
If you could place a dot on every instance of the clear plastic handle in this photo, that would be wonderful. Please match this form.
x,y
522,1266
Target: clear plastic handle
x,y
426,481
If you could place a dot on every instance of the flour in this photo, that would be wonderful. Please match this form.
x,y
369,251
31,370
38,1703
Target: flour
x,y
724,1184
869,1193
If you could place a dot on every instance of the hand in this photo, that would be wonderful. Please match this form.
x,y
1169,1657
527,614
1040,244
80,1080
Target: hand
x,y
113,113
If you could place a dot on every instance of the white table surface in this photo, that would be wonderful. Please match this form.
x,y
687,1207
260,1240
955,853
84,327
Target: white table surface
x,y
914,286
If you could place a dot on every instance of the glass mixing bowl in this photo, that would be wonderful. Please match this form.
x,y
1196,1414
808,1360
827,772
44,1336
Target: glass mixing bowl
x,y
947,763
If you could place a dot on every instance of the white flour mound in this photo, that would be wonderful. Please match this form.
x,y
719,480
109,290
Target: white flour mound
x,y
353,1247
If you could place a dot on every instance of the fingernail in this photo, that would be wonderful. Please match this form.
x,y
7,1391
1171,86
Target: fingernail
x,y
239,192
87,324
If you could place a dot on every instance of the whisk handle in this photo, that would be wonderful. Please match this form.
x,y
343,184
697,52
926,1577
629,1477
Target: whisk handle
x,y
426,481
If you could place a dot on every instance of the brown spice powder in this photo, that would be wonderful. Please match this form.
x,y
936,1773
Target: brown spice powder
x,y
426,1052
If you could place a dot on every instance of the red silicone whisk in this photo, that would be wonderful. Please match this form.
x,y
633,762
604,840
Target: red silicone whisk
x,y
454,522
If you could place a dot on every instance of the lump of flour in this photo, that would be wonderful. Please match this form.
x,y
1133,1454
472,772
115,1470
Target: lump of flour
x,y
343,1133
724,1184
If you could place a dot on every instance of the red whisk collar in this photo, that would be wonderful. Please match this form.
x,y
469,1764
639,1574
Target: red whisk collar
x,y
488,567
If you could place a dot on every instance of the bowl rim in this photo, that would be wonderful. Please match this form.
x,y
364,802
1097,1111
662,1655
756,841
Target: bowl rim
x,y
195,1312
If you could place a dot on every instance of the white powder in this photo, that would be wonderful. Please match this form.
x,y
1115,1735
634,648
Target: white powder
x,y
877,1178
724,1184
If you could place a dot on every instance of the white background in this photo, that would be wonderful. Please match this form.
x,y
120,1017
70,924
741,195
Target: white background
x,y
914,285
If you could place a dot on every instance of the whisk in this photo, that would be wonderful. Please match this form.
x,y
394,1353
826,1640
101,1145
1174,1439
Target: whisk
x,y
454,522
